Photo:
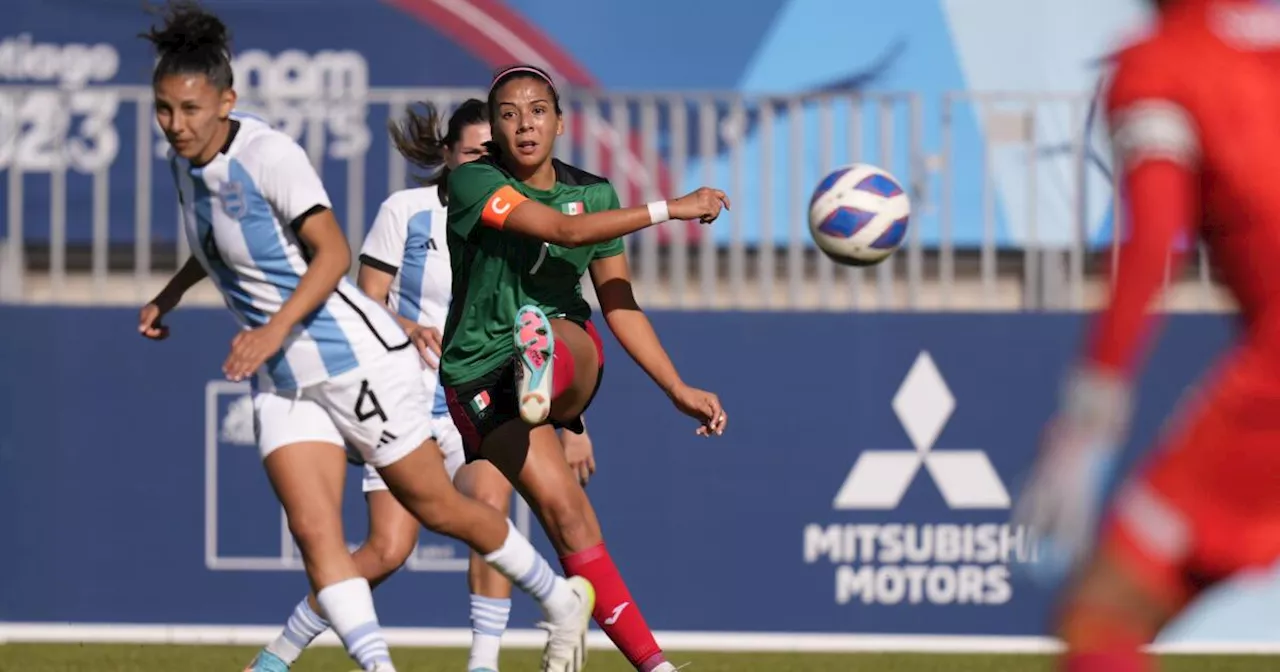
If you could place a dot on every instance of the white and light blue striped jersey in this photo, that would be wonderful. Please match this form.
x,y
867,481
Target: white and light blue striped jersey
x,y
240,213
407,241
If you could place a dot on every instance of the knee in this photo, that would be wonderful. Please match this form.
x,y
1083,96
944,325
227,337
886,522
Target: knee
x,y
496,494
482,482
311,528
390,550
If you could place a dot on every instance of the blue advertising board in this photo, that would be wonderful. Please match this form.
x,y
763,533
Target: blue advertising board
x,y
862,486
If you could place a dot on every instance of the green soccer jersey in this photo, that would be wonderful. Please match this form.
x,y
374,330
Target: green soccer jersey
x,y
495,272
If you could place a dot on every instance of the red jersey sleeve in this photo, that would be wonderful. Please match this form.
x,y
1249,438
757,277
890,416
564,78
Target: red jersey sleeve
x,y
1157,154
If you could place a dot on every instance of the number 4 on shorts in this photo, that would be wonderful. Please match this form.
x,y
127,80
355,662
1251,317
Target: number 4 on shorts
x,y
367,399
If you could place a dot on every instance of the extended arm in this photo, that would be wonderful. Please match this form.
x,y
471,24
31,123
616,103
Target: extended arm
x,y
632,329
509,210
628,322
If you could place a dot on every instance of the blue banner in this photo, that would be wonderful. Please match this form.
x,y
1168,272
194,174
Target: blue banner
x,y
862,486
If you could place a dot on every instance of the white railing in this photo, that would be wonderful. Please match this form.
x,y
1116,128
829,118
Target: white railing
x,y
1005,188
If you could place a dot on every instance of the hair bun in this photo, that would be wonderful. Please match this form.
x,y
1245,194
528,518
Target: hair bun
x,y
188,28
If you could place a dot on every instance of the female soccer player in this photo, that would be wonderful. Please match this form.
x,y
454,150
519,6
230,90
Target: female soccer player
x,y
519,248
405,264
329,365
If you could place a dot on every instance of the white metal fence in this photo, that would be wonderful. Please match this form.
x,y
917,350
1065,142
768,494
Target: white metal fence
x,y
1009,192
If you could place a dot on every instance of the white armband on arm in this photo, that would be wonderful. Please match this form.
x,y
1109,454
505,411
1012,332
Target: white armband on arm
x,y
1154,129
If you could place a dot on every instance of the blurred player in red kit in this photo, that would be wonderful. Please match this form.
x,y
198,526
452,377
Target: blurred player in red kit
x,y
1194,111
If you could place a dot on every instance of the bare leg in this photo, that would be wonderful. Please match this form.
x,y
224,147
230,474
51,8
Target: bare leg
x,y
419,481
308,478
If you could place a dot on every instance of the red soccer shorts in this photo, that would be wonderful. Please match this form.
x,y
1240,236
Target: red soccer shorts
x,y
1206,505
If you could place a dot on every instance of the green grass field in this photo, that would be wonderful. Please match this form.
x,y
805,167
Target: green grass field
x,y
127,658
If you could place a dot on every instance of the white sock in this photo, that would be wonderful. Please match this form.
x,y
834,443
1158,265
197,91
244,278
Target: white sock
x,y
527,569
349,605
488,621
302,628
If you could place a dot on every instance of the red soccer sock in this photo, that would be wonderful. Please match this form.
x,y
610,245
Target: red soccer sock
x,y
1119,661
1101,638
615,613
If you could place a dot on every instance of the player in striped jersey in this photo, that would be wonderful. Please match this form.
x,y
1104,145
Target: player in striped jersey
x,y
330,367
405,263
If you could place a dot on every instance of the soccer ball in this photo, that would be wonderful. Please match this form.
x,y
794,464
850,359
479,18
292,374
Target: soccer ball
x,y
858,215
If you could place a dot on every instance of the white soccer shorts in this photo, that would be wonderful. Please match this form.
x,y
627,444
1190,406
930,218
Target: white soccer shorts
x,y
381,409
450,442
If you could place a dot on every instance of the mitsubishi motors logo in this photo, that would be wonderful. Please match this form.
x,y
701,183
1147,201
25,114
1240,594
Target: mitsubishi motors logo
x,y
880,478
895,550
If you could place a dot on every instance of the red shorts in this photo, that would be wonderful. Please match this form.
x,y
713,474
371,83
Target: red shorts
x,y
1206,505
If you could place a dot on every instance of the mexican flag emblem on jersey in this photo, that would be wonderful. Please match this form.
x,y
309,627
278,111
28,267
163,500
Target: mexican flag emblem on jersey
x,y
574,208
480,402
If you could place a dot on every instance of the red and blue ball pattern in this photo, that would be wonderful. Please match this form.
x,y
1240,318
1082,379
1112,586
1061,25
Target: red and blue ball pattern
x,y
851,216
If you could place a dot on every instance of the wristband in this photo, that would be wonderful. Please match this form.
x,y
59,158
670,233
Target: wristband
x,y
658,212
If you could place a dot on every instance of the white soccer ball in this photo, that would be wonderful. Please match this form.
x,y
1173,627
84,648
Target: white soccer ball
x,y
858,215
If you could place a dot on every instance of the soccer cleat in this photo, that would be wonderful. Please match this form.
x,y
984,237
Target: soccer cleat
x,y
536,344
482,669
266,661
566,649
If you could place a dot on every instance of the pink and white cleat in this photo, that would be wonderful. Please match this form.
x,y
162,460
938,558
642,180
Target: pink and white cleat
x,y
536,343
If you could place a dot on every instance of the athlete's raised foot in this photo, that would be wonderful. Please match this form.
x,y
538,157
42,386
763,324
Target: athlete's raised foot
x,y
566,649
536,344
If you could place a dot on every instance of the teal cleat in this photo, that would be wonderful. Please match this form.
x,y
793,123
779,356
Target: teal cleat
x,y
266,661
536,343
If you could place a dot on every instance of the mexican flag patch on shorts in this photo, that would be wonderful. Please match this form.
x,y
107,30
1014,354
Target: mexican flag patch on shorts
x,y
480,402
574,208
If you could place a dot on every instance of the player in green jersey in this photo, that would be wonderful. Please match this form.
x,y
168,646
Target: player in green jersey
x,y
521,356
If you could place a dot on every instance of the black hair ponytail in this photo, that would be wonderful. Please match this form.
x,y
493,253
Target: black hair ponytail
x,y
417,138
